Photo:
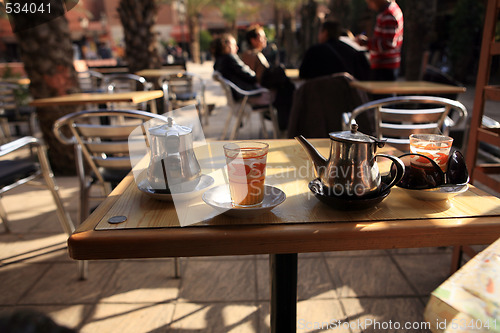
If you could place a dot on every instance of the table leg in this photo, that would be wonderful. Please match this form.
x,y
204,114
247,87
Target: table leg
x,y
152,105
283,269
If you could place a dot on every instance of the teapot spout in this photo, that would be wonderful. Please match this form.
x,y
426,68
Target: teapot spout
x,y
319,162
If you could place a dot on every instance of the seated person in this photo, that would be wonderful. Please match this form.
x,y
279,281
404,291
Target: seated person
x,y
232,68
333,56
271,77
229,64
253,57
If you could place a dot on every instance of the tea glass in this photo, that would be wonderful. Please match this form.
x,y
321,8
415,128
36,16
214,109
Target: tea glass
x,y
246,167
437,147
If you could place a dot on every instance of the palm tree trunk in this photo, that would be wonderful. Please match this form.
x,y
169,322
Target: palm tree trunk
x,y
47,54
194,36
138,18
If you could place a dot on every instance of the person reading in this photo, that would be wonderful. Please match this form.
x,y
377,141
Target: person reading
x,y
332,56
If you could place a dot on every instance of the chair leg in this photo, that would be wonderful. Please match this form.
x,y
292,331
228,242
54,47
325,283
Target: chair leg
x,y
226,125
63,216
83,206
84,209
456,259
177,268
32,124
6,129
274,119
3,217
83,269
3,135
236,126
263,124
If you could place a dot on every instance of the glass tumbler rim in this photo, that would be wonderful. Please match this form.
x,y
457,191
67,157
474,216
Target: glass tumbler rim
x,y
431,137
237,145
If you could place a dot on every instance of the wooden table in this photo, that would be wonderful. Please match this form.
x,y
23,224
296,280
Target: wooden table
x,y
406,87
300,224
134,97
159,72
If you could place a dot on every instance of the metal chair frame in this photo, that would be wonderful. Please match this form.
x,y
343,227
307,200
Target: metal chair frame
x,y
114,83
239,109
9,108
104,148
91,81
396,124
176,85
41,169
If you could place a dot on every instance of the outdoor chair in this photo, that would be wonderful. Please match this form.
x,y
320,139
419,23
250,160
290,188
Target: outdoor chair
x,y
240,109
319,105
91,81
398,117
115,83
12,113
15,171
184,88
102,150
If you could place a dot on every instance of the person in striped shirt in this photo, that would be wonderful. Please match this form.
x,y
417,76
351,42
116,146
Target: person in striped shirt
x,y
387,40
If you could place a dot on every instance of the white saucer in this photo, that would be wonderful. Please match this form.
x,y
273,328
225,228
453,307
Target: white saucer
x,y
438,193
205,182
220,199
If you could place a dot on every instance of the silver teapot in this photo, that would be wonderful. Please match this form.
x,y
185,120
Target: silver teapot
x,y
351,170
173,165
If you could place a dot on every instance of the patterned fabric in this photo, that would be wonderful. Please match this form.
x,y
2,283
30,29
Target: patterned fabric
x,y
385,45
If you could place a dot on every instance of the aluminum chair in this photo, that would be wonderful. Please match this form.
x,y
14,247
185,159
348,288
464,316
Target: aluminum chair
x,y
239,109
114,83
101,150
184,88
18,171
12,113
398,117
91,81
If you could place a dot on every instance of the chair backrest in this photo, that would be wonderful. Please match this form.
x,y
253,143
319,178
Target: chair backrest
x,y
104,144
226,87
90,81
229,86
8,99
319,105
115,83
182,87
125,82
399,117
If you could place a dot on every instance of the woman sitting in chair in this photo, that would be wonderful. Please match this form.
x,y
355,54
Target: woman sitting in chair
x,y
231,67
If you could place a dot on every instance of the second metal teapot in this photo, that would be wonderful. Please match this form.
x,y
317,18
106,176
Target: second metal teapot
x,y
351,169
173,164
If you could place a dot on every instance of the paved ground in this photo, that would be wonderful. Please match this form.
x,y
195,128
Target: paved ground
x,y
214,294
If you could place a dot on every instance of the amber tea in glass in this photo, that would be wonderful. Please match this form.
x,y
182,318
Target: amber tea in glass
x,y
246,167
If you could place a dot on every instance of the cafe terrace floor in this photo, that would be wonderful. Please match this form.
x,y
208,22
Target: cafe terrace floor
x,y
214,294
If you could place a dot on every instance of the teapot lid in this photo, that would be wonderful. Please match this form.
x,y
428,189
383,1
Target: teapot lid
x,y
170,128
353,136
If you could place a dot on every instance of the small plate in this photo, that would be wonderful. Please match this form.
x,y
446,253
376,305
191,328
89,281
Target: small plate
x,y
438,193
220,199
343,203
205,182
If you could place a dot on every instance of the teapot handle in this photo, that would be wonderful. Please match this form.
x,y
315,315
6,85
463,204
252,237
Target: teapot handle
x,y
400,169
